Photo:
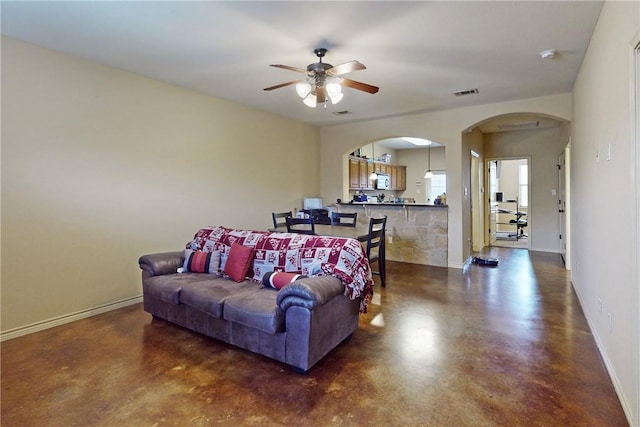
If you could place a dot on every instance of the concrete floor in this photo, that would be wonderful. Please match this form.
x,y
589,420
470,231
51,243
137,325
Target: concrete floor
x,y
505,346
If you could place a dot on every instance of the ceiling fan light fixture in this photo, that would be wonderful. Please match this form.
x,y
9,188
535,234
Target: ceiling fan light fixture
x,y
303,89
335,98
310,100
326,79
334,88
428,174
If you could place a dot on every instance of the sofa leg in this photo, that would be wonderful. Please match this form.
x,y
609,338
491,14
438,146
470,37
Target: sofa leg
x,y
348,338
299,370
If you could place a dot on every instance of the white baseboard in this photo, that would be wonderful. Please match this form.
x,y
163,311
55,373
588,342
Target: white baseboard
x,y
67,318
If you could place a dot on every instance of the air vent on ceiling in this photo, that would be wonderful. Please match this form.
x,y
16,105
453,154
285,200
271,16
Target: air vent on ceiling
x,y
341,113
519,125
466,92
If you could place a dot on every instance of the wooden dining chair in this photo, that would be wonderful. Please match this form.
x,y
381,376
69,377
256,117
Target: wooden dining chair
x,y
300,225
278,218
344,219
375,247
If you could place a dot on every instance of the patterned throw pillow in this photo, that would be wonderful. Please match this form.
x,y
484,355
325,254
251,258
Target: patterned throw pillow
x,y
201,262
279,279
238,262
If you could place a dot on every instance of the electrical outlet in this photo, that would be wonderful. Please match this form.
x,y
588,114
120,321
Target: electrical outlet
x,y
600,306
608,152
390,239
597,155
610,322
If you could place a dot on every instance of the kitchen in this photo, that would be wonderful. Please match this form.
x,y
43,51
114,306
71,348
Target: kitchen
x,y
409,187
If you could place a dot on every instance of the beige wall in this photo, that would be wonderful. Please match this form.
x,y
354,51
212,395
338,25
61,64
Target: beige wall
x,y
100,166
444,127
416,162
604,197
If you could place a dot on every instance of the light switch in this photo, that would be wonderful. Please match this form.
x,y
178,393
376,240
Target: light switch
x,y
553,192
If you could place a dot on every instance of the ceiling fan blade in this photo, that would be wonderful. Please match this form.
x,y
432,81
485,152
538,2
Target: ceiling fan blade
x,y
282,85
287,67
360,86
345,68
321,94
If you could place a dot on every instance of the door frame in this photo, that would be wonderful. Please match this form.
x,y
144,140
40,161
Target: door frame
x,y
489,197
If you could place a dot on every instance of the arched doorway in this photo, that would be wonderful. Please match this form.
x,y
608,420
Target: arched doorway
x,y
540,140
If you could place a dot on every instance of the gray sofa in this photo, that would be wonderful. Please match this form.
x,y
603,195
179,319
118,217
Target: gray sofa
x,y
297,325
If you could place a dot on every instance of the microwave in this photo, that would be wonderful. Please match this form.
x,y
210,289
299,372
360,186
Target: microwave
x,y
383,182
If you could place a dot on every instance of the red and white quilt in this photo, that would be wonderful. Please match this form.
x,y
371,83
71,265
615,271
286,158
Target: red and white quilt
x,y
341,257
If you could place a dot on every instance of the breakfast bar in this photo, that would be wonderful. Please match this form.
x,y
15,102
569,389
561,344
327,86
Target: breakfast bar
x,y
416,233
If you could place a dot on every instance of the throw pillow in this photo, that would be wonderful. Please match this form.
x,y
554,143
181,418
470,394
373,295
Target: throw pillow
x,y
238,262
279,279
201,262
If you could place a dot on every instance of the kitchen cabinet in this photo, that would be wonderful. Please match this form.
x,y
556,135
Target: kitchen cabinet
x,y
354,174
360,169
393,175
365,183
402,178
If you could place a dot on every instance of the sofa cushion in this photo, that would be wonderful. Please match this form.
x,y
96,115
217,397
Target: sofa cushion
x,y
210,295
257,310
238,262
169,286
201,262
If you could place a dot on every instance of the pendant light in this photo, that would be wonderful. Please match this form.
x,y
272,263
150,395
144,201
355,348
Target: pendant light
x,y
373,175
429,174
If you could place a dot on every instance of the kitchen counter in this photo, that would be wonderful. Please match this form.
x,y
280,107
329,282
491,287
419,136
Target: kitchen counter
x,y
416,232
395,204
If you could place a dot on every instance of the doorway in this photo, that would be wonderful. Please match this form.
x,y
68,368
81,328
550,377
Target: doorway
x,y
509,207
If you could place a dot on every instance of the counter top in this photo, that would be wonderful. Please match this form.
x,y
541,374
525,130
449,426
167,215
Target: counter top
x,y
395,204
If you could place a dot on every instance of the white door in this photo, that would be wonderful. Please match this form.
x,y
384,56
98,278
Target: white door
x,y
562,206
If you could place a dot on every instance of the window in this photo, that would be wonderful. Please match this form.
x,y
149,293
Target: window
x,y
436,185
523,181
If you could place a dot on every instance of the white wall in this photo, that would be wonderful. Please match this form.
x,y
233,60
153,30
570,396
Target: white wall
x,y
443,127
100,166
603,201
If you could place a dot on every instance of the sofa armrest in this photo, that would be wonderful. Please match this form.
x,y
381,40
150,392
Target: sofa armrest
x,y
309,292
162,263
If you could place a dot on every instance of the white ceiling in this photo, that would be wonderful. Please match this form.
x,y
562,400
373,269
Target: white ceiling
x,y
418,53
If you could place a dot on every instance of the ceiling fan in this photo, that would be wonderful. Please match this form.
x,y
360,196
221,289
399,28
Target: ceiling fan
x,y
324,81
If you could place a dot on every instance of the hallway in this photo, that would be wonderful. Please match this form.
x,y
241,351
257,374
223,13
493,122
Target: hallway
x,y
439,347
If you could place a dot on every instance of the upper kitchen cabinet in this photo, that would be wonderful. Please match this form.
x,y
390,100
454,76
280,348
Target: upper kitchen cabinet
x,y
361,169
398,178
354,173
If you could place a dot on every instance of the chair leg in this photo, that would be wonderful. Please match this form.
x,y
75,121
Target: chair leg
x,y
383,272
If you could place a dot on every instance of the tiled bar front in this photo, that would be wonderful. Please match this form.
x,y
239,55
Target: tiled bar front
x,y
418,232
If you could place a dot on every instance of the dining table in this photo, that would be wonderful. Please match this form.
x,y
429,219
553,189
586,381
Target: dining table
x,y
359,232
